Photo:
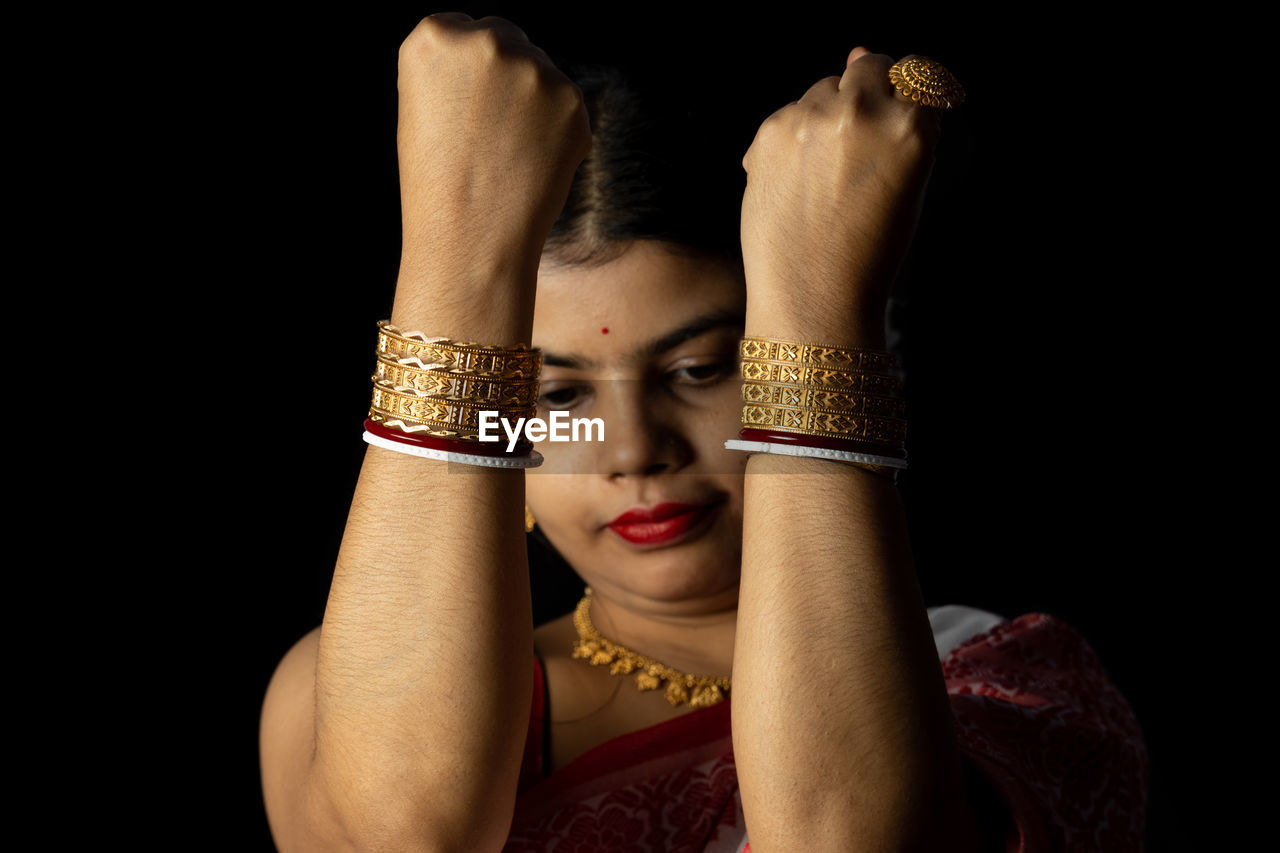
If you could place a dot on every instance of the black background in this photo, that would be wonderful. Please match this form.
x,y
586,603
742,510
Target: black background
x,y
1041,438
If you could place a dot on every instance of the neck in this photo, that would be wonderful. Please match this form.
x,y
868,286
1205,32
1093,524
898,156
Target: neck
x,y
695,636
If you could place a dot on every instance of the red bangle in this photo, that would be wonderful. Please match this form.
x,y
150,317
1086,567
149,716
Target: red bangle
x,y
421,439
805,440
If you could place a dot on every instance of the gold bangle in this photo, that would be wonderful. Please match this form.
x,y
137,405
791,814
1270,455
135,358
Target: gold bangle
x,y
892,431
458,413
441,429
394,332
455,382
516,362
852,444
817,355
445,431
777,373
818,398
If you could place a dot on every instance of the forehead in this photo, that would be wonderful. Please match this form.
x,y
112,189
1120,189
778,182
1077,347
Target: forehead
x,y
609,312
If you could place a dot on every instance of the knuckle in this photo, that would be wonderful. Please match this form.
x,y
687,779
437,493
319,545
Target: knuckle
x,y
524,69
916,134
569,95
429,33
779,116
860,101
414,41
488,42
434,26
820,89
504,27
535,75
763,136
807,121
879,62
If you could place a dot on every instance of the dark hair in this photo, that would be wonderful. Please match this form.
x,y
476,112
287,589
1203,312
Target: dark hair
x,y
659,169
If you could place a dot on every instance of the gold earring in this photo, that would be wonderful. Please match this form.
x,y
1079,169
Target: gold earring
x,y
528,520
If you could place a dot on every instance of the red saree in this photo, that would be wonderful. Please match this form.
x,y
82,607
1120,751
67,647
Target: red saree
x,y
1034,710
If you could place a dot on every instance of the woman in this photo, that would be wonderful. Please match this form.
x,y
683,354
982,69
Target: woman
x,y
427,713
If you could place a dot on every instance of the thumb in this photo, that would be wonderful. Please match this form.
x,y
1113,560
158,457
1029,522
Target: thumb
x,y
854,54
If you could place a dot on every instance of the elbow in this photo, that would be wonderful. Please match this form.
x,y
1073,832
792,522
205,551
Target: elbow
x,y
325,823
382,836
417,828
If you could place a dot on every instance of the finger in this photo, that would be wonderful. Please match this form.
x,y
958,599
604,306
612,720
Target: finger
x,y
505,27
856,54
774,116
823,90
777,114
516,39
452,17
868,73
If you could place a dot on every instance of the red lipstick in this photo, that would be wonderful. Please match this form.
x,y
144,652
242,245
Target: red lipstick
x,y
661,524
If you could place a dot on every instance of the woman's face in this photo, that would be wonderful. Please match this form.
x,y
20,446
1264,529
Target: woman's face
x,y
648,343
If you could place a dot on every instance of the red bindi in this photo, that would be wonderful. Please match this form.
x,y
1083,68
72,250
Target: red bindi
x,y
605,330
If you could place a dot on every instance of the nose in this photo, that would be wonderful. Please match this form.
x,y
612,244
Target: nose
x,y
640,436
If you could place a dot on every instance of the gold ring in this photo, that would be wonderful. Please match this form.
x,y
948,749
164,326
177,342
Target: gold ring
x,y
926,82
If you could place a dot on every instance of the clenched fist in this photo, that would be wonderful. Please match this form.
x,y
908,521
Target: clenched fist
x,y
834,186
490,134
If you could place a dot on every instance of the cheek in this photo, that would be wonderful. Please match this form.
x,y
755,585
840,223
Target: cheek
x,y
552,496
563,465
719,420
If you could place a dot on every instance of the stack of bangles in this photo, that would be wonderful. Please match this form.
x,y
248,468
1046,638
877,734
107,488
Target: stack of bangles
x,y
836,403
428,393
827,402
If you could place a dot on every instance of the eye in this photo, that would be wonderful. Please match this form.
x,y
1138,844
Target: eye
x,y
704,374
561,398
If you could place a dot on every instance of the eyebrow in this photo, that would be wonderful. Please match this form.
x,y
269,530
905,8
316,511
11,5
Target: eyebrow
x,y
727,318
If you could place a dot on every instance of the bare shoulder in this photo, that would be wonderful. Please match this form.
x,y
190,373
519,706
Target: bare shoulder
x,y
286,736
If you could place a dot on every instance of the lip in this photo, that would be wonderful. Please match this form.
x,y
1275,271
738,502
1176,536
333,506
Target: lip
x,y
662,524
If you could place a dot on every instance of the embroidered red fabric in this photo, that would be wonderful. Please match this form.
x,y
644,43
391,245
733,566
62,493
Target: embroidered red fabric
x,y
1034,711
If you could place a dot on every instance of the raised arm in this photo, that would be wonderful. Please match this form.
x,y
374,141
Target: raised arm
x,y
400,724
842,732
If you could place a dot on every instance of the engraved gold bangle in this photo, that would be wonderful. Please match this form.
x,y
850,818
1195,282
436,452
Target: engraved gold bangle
x,y
448,432
462,413
817,355
891,431
819,398
386,329
847,443
515,362
527,409
819,377
455,382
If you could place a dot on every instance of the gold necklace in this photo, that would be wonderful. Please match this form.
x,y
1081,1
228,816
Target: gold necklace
x,y
700,691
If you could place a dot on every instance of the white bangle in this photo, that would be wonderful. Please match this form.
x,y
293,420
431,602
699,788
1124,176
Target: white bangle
x,y
819,452
533,460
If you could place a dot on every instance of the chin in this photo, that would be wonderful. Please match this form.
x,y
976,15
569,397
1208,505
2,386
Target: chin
x,y
678,576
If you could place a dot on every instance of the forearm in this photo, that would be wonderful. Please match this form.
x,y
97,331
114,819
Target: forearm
x,y
424,673
842,730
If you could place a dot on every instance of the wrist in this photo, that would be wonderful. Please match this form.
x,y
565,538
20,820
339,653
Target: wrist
x,y
815,321
488,297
